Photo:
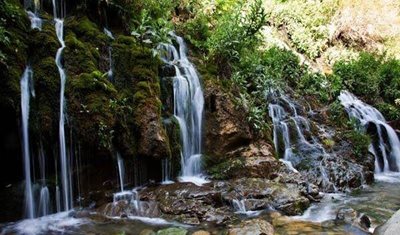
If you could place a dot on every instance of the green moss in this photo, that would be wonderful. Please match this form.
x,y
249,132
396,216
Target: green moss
x,y
86,30
14,28
43,44
79,56
220,168
174,136
89,105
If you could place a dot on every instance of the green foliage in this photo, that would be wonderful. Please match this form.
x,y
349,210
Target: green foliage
x,y
360,76
105,135
236,32
389,111
283,65
337,114
357,136
389,73
197,30
360,142
305,22
373,77
221,169
150,31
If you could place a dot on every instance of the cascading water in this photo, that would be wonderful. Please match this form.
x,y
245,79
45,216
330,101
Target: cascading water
x,y
65,172
110,71
26,92
36,21
387,147
292,131
44,199
188,109
166,171
121,171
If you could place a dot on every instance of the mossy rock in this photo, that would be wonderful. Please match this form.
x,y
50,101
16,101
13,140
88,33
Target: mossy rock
x,y
43,43
46,104
78,56
174,136
85,30
172,231
90,109
16,24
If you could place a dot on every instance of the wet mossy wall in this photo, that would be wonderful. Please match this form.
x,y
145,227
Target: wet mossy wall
x,y
102,116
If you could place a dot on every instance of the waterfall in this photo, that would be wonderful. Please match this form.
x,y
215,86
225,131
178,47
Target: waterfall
x,y
26,91
166,171
36,21
289,132
110,71
65,172
44,202
121,171
188,109
239,206
387,148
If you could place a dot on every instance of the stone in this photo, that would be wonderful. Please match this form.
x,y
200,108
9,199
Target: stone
x,y
391,227
172,231
201,232
252,227
147,232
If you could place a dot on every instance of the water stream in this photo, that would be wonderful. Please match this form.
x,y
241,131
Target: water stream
x,y
386,147
188,109
58,11
26,92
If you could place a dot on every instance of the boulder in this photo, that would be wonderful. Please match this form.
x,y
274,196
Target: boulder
x,y
252,227
226,126
392,226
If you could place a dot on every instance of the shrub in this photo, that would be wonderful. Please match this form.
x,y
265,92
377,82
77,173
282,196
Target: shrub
x,y
360,76
235,32
282,64
389,73
389,111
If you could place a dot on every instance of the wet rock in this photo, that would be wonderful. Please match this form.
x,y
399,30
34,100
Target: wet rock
x,y
365,222
201,232
392,226
147,232
250,227
350,216
172,231
261,194
346,214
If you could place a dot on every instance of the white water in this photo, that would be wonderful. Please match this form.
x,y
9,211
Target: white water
x,y
291,128
188,109
240,208
65,171
121,171
387,150
51,224
26,92
44,202
166,171
110,70
324,210
36,21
